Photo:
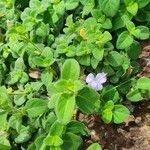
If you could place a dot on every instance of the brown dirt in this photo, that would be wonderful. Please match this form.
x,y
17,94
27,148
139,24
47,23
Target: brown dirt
x,y
145,59
134,134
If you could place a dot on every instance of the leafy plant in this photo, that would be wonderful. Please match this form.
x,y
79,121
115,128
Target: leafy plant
x,y
59,58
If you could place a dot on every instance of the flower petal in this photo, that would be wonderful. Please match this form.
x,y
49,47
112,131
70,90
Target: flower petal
x,y
93,85
90,78
101,78
99,87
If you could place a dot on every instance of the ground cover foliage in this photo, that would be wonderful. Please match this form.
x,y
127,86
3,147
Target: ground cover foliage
x,y
47,50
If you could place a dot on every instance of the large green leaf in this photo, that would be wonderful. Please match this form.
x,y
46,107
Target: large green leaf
x,y
115,59
70,70
65,108
36,107
88,100
77,127
71,141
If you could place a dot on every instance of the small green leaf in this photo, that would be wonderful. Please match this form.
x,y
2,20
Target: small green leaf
x,y
134,95
70,70
107,115
94,146
3,122
124,40
53,141
46,77
65,108
71,4
36,107
98,53
144,32
109,105
120,114
143,83
56,129
133,8
88,100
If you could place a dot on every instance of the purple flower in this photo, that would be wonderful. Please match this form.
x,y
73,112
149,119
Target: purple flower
x,y
96,82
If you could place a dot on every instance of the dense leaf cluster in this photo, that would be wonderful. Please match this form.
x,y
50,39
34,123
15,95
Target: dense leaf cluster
x,y
47,47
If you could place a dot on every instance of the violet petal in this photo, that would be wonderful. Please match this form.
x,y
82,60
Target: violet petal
x,y
90,78
101,78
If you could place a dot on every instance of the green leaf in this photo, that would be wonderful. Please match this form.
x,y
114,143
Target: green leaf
x,y
94,146
70,70
4,98
84,60
71,4
144,32
68,85
38,142
94,62
120,114
56,129
46,77
115,59
52,101
98,53
42,30
143,83
65,108
124,40
36,107
133,8
111,5
134,50
4,143
143,3
19,99
107,24
109,105
107,115
71,141
107,112
77,127
110,93
134,95
3,122
53,141
23,136
88,100
88,5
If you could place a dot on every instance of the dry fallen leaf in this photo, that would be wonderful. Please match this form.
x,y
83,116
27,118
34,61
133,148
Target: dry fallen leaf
x,y
34,73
